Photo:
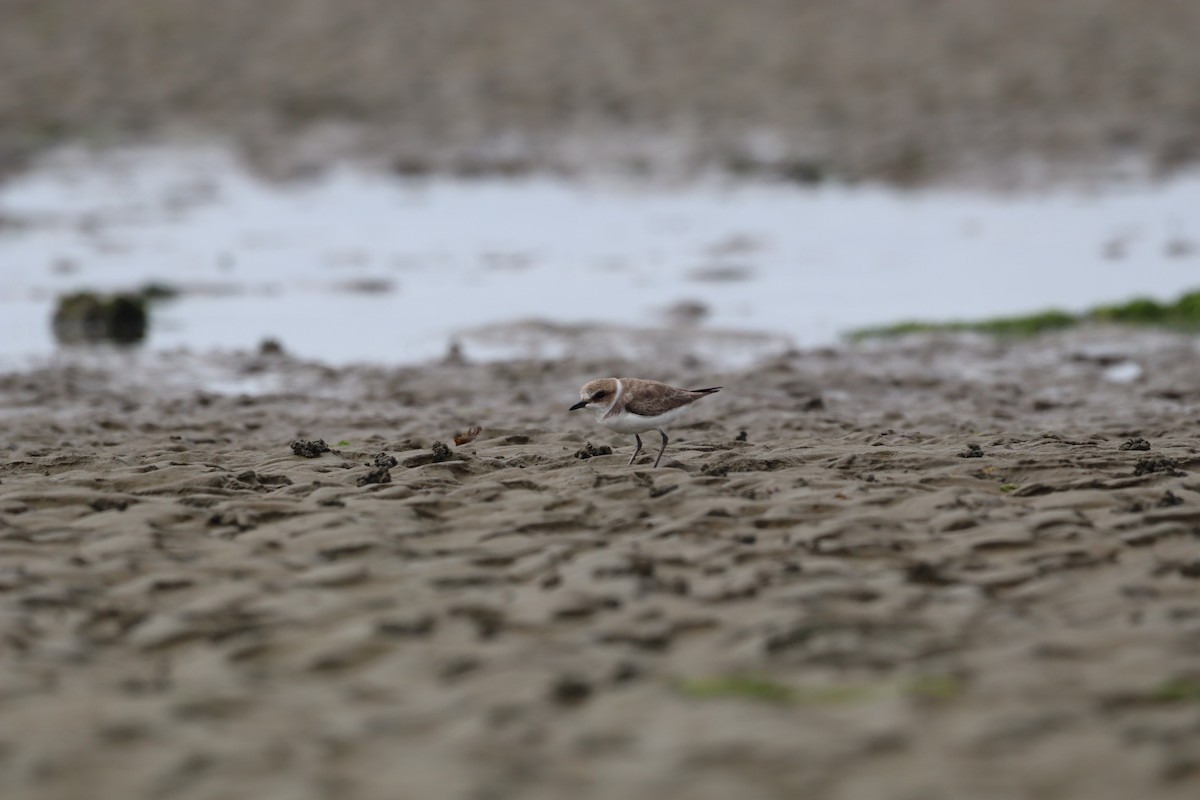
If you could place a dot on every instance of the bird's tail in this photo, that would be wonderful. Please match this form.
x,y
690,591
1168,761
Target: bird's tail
x,y
706,391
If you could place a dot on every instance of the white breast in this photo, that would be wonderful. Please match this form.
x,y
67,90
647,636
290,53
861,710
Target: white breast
x,y
632,423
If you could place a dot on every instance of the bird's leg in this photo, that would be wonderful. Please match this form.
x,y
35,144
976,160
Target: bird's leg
x,y
636,451
663,448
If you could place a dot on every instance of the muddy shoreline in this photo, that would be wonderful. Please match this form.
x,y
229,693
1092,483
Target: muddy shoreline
x,y
937,567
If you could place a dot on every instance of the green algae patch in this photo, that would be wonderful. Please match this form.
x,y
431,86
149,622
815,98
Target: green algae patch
x,y
1181,315
935,688
1179,690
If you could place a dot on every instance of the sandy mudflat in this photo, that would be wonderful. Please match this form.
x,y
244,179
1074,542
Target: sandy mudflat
x,y
844,605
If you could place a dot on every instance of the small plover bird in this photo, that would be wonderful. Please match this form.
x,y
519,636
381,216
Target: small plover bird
x,y
636,405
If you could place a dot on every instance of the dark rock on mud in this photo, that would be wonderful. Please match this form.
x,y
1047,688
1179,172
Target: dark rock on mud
x,y
972,451
87,317
1136,443
270,347
310,449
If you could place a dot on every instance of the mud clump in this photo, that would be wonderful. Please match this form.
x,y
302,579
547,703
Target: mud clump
x,y
1136,443
1149,466
589,450
384,461
1169,500
925,574
437,454
310,449
570,690
972,451
87,318
813,404
378,475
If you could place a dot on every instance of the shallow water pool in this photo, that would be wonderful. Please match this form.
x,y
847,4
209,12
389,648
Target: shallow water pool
x,y
363,267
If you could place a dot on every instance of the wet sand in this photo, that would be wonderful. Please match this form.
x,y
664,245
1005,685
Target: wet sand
x,y
934,568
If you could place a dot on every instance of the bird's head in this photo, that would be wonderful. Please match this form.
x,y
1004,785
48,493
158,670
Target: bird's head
x,y
597,396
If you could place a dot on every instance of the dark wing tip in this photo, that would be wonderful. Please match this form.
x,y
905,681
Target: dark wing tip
x,y
707,391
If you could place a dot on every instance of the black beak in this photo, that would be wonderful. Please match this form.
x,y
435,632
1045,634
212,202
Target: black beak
x,y
578,405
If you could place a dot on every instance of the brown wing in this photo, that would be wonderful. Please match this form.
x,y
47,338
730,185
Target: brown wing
x,y
651,398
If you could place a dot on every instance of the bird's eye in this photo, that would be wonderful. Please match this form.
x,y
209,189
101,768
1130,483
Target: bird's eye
x,y
599,395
